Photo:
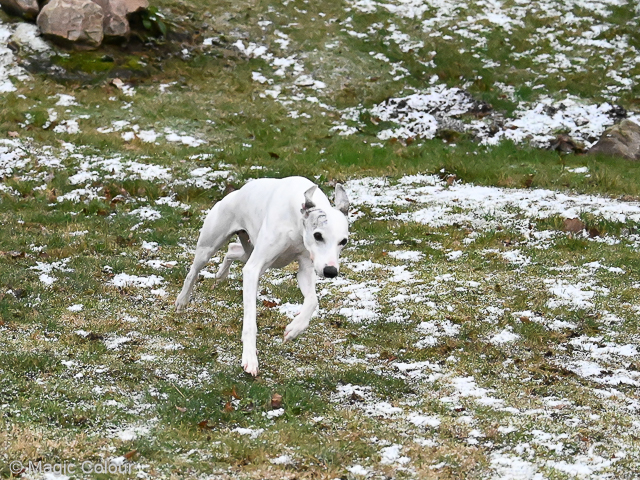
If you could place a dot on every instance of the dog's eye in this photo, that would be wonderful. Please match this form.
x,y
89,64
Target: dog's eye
x,y
343,242
318,236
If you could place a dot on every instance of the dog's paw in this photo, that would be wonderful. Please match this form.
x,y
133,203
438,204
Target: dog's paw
x,y
250,363
222,274
294,329
181,305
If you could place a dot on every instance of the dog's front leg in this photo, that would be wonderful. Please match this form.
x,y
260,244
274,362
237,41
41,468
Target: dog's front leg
x,y
307,284
250,278
268,246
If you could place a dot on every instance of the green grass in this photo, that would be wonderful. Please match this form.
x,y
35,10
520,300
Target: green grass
x,y
129,376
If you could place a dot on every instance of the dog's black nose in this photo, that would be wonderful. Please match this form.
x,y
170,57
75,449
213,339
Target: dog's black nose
x,y
330,272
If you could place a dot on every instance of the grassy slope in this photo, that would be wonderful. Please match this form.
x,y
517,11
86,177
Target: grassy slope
x,y
174,372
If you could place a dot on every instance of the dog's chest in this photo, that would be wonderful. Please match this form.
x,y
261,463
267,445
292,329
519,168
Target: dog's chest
x,y
290,254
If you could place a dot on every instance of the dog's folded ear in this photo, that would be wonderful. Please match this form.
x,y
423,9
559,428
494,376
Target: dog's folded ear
x,y
341,199
308,202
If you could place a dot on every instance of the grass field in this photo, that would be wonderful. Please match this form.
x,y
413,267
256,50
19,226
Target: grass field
x,y
485,322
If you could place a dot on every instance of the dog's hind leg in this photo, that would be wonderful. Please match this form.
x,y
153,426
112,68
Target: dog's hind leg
x,y
237,251
215,232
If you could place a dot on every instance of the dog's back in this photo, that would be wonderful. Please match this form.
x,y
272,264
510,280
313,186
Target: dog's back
x,y
278,198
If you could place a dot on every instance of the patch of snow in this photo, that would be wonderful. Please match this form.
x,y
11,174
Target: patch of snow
x,y
511,467
146,213
391,455
578,295
424,420
275,413
282,460
358,470
126,280
505,336
408,255
435,330
252,433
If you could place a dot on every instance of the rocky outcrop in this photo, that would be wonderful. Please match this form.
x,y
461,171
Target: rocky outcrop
x,y
72,22
25,8
621,140
115,23
80,23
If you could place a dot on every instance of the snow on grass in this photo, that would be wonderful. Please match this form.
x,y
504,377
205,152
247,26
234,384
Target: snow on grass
x,y
25,35
408,255
540,122
482,207
443,329
362,303
130,132
505,336
365,265
46,269
132,433
282,460
418,114
146,213
423,113
113,168
358,470
250,432
579,295
467,387
435,330
428,317
512,467
516,257
391,455
424,420
126,280
364,399
65,100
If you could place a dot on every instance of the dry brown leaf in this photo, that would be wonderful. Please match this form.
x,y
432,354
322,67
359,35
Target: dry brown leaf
x,y
204,424
130,455
276,400
234,393
573,225
116,82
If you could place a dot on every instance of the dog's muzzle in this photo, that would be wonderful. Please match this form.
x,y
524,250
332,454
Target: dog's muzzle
x,y
330,272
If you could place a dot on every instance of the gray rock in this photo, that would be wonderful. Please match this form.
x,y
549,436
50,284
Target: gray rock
x,y
565,144
75,23
25,8
115,23
621,140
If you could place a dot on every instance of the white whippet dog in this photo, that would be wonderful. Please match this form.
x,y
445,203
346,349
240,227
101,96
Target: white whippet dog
x,y
278,221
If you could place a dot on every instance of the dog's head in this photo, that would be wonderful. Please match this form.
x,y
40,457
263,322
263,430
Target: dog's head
x,y
326,232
